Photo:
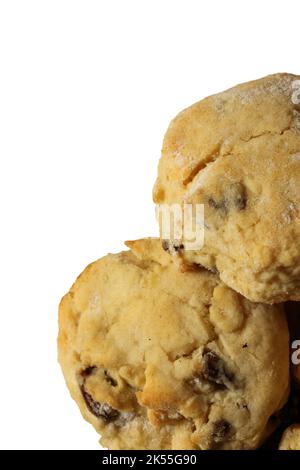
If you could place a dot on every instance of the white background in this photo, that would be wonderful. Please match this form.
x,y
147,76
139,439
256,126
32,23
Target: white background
x,y
87,89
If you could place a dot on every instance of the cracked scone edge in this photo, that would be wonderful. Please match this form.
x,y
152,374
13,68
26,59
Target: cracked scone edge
x,y
248,135
159,359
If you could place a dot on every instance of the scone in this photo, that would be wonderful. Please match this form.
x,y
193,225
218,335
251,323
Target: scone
x,y
291,438
238,154
162,359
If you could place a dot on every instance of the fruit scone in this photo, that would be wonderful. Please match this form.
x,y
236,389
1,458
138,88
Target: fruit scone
x,y
238,154
157,358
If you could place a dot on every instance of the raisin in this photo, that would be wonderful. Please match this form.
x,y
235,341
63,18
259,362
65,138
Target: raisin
x,y
235,197
240,203
221,429
172,246
110,379
178,246
165,245
218,205
213,270
239,196
88,371
100,410
214,369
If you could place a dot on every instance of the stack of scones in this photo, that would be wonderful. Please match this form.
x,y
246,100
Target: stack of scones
x,y
192,340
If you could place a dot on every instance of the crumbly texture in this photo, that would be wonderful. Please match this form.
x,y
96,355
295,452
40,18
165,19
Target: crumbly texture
x,y
157,358
291,438
238,153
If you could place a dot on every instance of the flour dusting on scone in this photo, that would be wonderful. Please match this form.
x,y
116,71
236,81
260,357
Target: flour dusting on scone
x,y
237,153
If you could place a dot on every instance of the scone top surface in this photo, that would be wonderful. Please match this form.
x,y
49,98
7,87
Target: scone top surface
x,y
238,153
162,359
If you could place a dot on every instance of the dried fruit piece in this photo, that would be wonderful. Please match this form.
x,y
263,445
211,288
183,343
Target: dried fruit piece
x,y
88,371
221,429
100,410
238,196
110,379
173,246
214,369
218,205
235,197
